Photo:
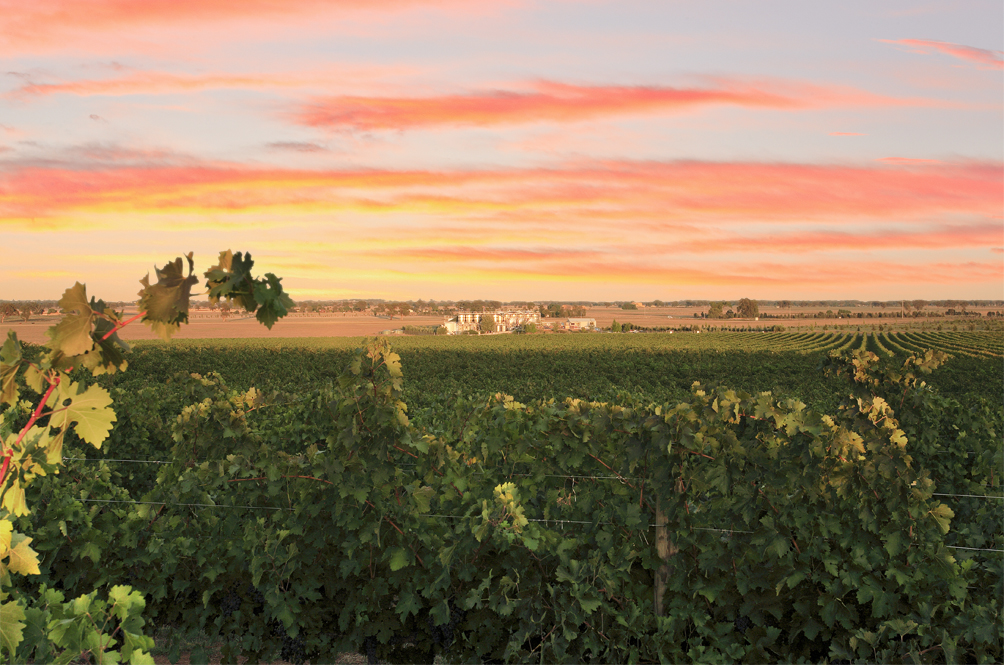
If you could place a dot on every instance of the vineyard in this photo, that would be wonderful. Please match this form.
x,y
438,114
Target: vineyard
x,y
722,496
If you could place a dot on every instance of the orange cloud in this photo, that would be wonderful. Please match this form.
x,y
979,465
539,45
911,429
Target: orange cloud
x,y
859,240
908,160
158,82
548,101
654,194
45,24
984,57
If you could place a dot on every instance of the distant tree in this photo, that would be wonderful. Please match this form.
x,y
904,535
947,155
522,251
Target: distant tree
x,y
360,306
29,309
441,330
785,304
530,328
615,327
716,310
629,305
487,324
748,309
7,309
658,303
919,304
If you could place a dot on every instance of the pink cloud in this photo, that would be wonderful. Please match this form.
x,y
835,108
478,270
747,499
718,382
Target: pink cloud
x,y
549,101
907,160
984,57
656,194
847,134
39,25
938,237
134,82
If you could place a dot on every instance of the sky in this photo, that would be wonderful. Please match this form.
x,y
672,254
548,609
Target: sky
x,y
510,149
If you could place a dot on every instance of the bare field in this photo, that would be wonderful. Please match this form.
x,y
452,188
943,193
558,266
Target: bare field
x,y
212,327
673,317
205,325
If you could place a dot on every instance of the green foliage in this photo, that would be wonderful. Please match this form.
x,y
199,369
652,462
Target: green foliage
x,y
748,309
165,303
498,530
37,622
231,280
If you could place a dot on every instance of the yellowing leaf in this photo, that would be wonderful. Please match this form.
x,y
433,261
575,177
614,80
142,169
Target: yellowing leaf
x,y
89,408
72,335
13,499
10,360
11,625
6,529
22,559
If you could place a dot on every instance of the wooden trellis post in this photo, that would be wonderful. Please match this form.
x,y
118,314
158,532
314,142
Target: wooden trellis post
x,y
665,549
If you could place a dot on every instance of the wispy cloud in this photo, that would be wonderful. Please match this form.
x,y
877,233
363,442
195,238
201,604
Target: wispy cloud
x,y
296,146
550,101
57,24
983,57
654,194
126,81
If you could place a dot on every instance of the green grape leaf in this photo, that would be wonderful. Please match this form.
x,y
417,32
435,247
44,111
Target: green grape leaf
x,y
272,301
398,559
107,356
89,408
166,303
11,625
231,279
21,558
10,360
72,335
943,515
423,497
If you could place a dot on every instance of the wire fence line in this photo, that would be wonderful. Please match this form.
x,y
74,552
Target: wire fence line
x,y
461,517
524,475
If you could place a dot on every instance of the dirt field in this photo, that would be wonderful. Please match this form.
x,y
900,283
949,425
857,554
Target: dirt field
x,y
212,327
651,317
205,325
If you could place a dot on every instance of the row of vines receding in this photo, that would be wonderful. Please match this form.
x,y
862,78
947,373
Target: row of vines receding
x,y
304,525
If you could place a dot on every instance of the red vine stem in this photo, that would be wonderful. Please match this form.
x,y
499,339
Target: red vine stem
x,y
320,480
36,414
622,478
121,325
391,522
776,511
405,451
694,452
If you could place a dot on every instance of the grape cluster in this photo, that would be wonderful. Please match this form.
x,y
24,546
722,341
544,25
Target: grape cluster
x,y
293,650
231,602
743,624
370,646
444,635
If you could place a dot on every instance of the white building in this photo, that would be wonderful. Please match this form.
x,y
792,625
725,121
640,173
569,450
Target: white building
x,y
580,323
504,320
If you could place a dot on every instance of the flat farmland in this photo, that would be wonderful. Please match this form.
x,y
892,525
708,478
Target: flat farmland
x,y
207,326
675,317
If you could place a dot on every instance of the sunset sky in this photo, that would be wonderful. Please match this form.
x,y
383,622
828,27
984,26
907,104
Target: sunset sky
x,y
511,149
